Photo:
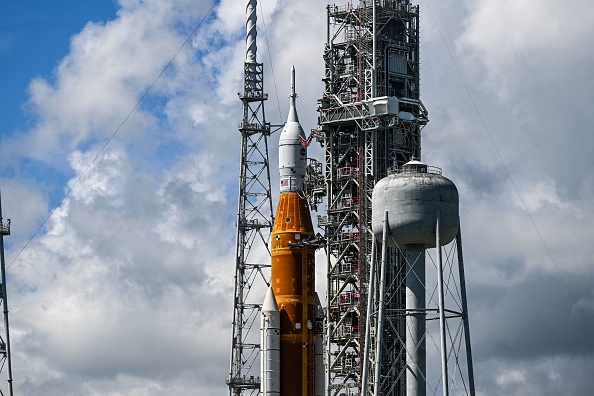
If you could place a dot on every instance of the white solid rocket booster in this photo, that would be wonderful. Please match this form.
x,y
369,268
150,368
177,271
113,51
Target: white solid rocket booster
x,y
270,346
320,388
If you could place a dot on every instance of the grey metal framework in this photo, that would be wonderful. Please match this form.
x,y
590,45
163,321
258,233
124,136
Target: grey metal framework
x,y
447,327
254,223
370,117
5,358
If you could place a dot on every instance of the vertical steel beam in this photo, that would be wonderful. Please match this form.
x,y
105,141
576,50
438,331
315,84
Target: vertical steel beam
x,y
442,325
465,313
379,334
374,53
5,230
368,324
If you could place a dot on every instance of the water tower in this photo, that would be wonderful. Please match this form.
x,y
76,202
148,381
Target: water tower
x,y
415,209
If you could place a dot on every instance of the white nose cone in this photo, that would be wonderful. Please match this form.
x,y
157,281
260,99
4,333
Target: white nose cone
x,y
270,346
292,150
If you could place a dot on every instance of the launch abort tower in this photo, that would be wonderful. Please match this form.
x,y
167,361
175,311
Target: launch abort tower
x,y
370,117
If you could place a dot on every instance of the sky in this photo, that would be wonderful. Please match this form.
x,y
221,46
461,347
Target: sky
x,y
127,288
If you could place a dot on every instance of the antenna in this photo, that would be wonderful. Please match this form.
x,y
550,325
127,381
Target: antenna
x,y
5,343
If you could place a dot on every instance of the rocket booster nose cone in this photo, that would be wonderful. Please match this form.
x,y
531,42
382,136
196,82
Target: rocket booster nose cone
x,y
270,304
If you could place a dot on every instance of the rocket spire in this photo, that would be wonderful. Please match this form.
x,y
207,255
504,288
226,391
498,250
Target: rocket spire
x,y
292,155
292,97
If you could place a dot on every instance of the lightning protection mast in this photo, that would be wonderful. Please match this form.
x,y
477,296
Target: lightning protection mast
x,y
5,360
254,223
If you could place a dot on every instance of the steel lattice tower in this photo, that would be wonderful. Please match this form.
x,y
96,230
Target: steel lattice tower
x,y
5,357
370,123
254,222
371,118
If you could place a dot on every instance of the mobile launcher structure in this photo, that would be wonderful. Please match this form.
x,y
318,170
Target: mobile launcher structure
x,y
395,318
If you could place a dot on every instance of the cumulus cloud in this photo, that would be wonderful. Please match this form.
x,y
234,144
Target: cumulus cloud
x,y
128,288
125,287
529,310
523,35
121,284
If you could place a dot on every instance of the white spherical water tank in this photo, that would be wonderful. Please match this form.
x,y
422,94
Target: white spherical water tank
x,y
412,197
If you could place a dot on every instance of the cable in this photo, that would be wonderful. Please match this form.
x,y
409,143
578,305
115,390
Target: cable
x,y
506,169
114,133
271,66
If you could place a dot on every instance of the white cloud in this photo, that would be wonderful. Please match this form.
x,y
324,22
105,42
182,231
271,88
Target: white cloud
x,y
534,36
23,201
543,194
584,306
511,377
128,289
118,290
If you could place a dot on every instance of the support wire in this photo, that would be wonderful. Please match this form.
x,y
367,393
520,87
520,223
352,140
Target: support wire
x,y
84,172
517,191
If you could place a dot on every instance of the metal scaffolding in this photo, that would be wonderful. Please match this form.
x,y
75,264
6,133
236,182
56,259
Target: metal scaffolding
x,y
5,357
370,117
254,223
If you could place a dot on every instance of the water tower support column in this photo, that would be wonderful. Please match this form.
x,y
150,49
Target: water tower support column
x,y
465,313
442,328
368,324
380,315
416,360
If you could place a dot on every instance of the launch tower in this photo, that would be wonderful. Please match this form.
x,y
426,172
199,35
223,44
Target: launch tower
x,y
371,118
254,222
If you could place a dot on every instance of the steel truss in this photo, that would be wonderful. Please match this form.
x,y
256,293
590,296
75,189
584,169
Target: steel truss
x,y
254,224
452,343
370,123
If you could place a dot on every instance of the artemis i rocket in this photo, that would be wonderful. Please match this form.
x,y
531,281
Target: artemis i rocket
x,y
291,334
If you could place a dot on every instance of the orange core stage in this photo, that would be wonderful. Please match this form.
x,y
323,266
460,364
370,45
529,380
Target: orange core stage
x,y
293,282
